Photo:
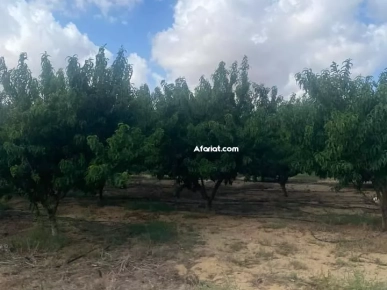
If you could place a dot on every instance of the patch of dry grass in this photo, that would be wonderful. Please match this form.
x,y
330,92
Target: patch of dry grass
x,y
37,239
341,263
265,242
275,225
355,249
298,265
286,249
263,254
227,285
237,246
365,219
352,281
146,246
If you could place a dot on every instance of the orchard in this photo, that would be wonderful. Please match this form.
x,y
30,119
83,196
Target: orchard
x,y
85,128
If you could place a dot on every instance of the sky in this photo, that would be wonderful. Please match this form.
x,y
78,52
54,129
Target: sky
x,y
167,39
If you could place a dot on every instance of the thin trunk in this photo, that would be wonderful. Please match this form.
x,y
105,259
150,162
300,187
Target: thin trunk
x,y
213,193
204,194
381,192
51,206
100,191
178,189
283,187
378,194
282,179
35,209
383,207
53,223
100,194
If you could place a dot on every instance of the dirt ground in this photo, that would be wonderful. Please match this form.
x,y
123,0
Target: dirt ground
x,y
141,238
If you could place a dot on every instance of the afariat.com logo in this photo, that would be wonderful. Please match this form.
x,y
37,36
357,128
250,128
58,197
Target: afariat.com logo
x,y
215,149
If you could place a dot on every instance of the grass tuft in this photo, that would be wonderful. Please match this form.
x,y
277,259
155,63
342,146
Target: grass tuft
x,y
38,239
156,231
212,286
353,281
350,219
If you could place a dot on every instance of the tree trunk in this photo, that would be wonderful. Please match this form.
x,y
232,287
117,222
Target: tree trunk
x,y
283,187
178,189
282,179
383,207
53,223
35,208
100,191
213,193
204,194
381,192
100,194
378,194
51,206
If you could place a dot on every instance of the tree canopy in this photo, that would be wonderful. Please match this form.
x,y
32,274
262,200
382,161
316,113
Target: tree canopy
x,y
86,126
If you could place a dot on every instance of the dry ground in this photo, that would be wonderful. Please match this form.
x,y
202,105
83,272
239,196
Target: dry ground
x,y
253,239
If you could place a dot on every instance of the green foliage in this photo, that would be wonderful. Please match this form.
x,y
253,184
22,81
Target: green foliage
x,y
112,161
38,136
209,116
266,139
341,135
85,126
45,150
348,136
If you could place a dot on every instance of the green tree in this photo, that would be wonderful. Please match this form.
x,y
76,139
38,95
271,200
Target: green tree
x,y
265,135
126,152
101,96
354,112
209,116
39,136
173,116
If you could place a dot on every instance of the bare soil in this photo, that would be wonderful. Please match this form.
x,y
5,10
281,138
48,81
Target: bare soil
x,y
254,238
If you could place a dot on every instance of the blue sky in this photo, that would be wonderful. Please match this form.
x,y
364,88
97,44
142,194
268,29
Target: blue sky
x,y
134,29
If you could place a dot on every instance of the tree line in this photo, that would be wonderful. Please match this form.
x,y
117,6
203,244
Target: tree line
x,y
86,126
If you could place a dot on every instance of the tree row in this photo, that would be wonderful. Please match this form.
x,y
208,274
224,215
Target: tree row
x,y
86,126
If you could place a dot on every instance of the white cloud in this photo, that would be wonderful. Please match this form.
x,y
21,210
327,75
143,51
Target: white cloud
x,y
140,69
156,77
28,27
280,37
